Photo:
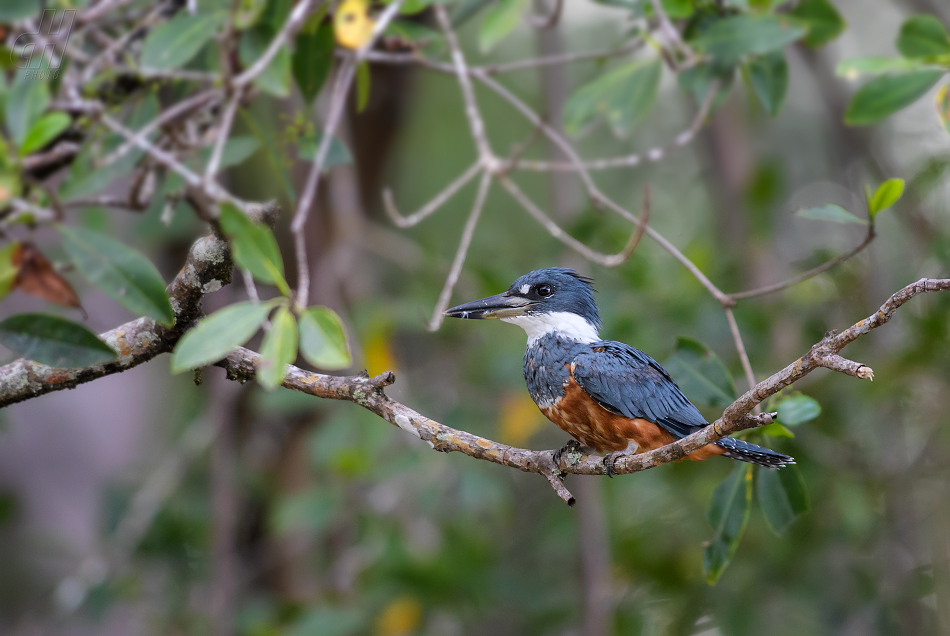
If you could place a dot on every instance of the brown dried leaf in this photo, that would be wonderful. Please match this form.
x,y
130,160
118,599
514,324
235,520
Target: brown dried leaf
x,y
38,277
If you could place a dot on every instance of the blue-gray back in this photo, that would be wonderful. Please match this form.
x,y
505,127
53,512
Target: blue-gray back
x,y
621,378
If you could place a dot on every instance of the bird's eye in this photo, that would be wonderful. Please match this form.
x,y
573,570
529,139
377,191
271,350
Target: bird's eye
x,y
544,291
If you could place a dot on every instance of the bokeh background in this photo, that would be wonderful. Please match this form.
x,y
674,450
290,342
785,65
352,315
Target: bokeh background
x,y
115,496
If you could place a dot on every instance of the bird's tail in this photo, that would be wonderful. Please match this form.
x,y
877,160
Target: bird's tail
x,y
746,452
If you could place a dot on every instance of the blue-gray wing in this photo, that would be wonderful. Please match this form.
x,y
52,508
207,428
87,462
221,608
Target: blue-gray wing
x,y
626,381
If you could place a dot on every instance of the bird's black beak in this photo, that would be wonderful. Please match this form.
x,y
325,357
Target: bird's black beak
x,y
500,306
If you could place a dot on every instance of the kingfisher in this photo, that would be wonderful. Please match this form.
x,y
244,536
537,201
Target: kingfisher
x,y
607,395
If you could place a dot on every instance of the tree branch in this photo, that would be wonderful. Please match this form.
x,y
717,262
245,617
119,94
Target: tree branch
x,y
369,393
207,268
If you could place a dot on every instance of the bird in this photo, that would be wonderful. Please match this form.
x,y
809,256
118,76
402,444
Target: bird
x,y
608,396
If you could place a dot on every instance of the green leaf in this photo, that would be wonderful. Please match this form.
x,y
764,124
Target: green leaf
x,y
278,349
500,20
798,409
768,75
45,130
701,374
888,94
822,19
777,430
217,335
26,101
624,96
313,57
247,13
276,78
172,45
123,273
323,341
328,621
338,154
732,38
885,196
411,31
923,36
829,212
728,514
942,104
855,67
412,7
254,247
782,496
8,270
678,9
362,86
9,183
53,341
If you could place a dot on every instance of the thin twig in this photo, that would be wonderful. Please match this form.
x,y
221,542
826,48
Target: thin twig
x,y
672,35
384,57
437,201
740,348
652,155
338,101
309,193
455,271
180,109
224,131
291,26
550,20
607,260
475,121
169,161
768,289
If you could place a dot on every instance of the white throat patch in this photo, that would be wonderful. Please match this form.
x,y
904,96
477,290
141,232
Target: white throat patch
x,y
563,323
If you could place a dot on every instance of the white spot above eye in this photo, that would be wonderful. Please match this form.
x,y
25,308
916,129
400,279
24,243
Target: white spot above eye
x,y
525,289
562,323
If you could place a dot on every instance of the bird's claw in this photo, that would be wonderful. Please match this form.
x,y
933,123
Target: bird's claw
x,y
609,460
571,446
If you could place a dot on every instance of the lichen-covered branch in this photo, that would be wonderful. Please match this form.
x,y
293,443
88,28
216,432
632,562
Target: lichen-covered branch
x,y
207,268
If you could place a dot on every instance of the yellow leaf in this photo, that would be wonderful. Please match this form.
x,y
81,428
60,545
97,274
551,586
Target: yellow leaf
x,y
379,353
519,419
352,24
400,618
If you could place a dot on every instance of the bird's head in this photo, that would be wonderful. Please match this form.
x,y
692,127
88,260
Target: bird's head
x,y
555,299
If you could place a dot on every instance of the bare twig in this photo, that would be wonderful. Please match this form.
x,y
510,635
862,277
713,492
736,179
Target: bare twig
x,y
672,35
383,57
180,109
308,196
769,289
740,348
550,20
224,131
61,152
309,193
460,254
294,21
437,201
472,112
607,260
630,161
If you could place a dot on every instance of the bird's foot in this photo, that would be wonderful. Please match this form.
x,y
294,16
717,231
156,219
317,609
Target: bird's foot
x,y
572,446
610,459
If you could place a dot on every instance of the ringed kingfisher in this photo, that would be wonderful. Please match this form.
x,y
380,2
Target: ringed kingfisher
x,y
606,395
